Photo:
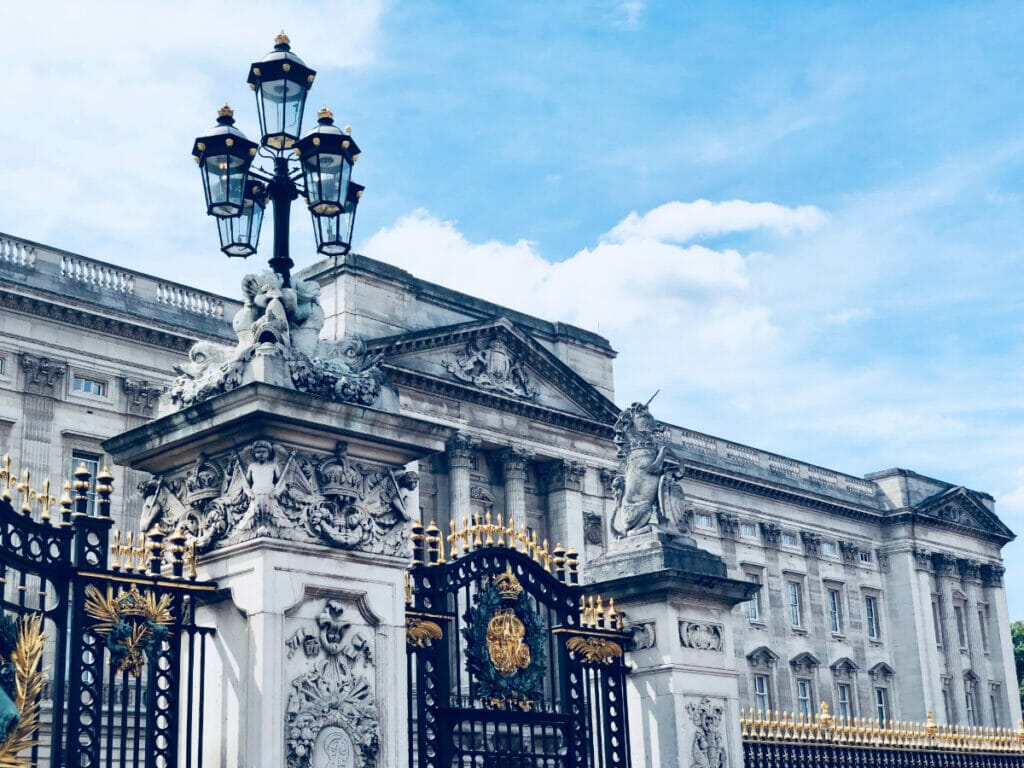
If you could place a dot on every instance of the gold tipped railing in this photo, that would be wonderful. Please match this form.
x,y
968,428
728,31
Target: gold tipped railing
x,y
823,728
429,544
148,553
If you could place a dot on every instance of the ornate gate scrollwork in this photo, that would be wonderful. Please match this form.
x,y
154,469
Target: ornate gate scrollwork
x,y
509,665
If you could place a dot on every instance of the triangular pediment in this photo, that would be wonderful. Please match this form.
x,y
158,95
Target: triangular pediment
x,y
496,361
961,507
762,656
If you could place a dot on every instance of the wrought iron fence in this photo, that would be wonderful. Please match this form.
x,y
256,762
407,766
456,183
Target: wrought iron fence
x,y
783,740
101,663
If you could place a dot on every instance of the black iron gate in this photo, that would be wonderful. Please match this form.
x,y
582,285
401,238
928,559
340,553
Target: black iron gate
x,y
101,664
509,665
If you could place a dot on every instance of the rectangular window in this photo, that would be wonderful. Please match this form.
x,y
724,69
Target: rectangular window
x,y
937,622
92,463
829,549
873,619
996,719
3,365
865,557
961,630
947,702
843,699
835,611
748,530
969,707
762,700
789,540
754,604
983,624
882,705
89,386
803,697
795,603
705,522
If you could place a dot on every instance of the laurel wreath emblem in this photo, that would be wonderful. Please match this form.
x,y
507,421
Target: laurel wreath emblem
x,y
29,676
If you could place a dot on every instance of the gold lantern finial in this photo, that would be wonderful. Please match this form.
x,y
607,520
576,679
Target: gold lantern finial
x,y
226,111
325,114
282,39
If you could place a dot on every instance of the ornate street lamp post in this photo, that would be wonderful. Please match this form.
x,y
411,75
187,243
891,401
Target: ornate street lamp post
x,y
237,188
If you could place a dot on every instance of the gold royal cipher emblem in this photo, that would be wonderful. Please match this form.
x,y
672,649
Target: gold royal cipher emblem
x,y
505,631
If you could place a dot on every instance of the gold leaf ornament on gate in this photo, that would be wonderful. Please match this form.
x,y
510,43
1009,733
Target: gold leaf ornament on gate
x,y
132,623
29,677
505,646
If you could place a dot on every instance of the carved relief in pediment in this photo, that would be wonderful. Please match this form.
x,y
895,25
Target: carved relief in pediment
x,y
490,364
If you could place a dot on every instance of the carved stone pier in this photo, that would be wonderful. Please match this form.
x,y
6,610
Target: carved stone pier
x,y
300,509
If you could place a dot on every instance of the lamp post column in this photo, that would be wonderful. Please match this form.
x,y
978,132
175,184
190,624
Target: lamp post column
x,y
282,192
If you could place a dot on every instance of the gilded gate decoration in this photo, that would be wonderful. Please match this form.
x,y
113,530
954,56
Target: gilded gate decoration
x,y
510,664
100,661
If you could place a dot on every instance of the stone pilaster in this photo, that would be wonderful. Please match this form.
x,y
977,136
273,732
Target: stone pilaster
x,y
514,461
999,637
42,386
970,573
461,448
945,575
565,504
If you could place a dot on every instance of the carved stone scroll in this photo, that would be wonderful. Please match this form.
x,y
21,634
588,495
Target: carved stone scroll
x,y
701,636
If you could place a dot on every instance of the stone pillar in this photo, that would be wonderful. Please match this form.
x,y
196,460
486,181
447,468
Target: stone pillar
x,y
683,693
42,385
970,573
565,504
513,466
945,573
460,454
999,637
300,508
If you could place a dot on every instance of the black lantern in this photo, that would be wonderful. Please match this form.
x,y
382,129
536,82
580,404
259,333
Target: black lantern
x,y
281,81
326,155
239,235
224,156
334,233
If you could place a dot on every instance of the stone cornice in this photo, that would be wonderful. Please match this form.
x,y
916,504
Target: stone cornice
x,y
907,515
432,385
124,327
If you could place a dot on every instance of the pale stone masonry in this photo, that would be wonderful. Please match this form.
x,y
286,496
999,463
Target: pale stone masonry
x,y
882,595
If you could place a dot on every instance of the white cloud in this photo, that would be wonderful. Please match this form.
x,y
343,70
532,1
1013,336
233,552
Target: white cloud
x,y
679,222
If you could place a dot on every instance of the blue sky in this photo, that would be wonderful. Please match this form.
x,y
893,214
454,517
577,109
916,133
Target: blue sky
x,y
847,293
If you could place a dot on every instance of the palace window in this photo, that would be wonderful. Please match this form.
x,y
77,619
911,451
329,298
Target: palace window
x,y
795,603
873,618
937,622
789,540
983,624
969,707
829,549
92,463
865,557
762,698
803,696
754,604
835,611
961,630
748,530
882,705
89,386
704,521
3,365
844,698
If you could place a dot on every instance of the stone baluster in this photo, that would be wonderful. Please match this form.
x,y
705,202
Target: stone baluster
x,y
513,464
460,455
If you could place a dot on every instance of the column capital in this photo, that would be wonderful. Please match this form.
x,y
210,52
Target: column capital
x,y
461,447
42,374
923,560
513,461
728,524
944,564
772,534
970,570
565,475
992,574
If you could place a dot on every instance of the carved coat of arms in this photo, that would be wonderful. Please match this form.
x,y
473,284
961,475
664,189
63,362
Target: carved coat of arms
x,y
489,364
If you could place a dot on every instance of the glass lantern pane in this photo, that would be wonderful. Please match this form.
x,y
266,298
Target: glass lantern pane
x,y
224,177
282,102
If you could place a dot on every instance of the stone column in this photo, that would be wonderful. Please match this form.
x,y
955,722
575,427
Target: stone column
x,y
683,693
565,504
42,385
513,465
773,599
460,453
945,573
999,637
970,573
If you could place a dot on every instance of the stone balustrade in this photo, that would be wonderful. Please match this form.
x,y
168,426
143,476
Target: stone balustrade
x,y
775,464
53,264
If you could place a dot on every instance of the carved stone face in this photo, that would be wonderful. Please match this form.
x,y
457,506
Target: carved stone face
x,y
332,627
261,452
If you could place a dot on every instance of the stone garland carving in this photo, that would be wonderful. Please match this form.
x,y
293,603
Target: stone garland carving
x,y
489,364
42,374
700,636
141,395
708,742
642,636
267,490
284,323
648,491
331,715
